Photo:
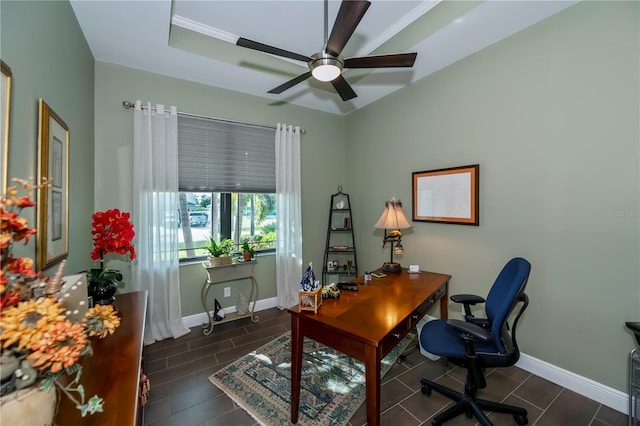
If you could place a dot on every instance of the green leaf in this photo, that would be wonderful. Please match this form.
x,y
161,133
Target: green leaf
x,y
94,405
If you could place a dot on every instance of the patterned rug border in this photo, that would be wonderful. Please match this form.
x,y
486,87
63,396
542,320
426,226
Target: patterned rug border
x,y
263,396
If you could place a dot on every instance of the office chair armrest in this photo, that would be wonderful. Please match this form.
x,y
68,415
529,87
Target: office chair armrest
x,y
470,299
468,329
467,300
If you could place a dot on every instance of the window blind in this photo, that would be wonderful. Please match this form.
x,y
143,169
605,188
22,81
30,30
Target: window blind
x,y
220,156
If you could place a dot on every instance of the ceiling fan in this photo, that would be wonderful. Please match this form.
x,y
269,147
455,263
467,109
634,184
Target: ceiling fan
x,y
327,65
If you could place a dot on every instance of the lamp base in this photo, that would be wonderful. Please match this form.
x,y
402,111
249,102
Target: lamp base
x,y
391,267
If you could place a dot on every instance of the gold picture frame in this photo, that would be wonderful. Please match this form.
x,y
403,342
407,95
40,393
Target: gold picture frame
x,y
53,201
447,195
5,114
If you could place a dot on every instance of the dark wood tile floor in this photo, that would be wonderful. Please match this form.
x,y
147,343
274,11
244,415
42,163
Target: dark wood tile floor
x,y
182,395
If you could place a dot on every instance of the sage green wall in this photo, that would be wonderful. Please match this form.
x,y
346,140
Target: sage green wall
x,y
50,59
551,115
322,158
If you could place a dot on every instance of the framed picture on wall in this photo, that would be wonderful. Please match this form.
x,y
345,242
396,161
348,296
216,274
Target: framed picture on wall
x,y
5,112
447,195
53,201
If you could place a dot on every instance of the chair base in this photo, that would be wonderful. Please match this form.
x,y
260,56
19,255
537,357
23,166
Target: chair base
x,y
471,406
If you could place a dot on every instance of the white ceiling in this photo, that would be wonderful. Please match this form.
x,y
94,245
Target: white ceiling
x,y
195,40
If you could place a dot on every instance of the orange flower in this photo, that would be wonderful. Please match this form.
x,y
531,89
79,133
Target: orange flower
x,y
59,348
101,320
28,322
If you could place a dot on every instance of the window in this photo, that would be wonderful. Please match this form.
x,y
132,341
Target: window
x,y
227,184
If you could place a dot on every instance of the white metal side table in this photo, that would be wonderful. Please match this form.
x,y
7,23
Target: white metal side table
x,y
219,274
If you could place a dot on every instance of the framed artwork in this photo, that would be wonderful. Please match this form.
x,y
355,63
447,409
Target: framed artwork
x,y
53,201
5,111
447,195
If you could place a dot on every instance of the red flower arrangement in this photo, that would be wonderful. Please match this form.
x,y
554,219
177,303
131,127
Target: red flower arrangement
x,y
112,233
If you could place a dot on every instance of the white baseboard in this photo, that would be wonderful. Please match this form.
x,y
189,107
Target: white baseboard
x,y
591,389
598,392
198,319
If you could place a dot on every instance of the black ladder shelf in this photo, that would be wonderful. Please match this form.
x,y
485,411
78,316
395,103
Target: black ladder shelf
x,y
340,260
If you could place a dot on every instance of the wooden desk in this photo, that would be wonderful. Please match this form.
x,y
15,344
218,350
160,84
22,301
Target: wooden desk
x,y
113,372
366,325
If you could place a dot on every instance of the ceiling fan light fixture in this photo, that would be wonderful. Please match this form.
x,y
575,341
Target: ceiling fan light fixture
x,y
325,67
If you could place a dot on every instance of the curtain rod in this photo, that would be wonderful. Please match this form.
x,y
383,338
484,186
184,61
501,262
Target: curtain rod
x,y
129,105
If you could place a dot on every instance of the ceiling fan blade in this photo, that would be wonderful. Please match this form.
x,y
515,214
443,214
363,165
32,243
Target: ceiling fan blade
x,y
250,44
404,60
343,88
349,16
289,84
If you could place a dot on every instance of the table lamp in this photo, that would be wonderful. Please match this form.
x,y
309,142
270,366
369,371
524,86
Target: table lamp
x,y
393,220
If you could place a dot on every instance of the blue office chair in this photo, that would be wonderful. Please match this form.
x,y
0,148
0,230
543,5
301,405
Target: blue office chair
x,y
479,343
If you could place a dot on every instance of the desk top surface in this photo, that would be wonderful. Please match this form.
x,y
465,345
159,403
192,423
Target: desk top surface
x,y
378,306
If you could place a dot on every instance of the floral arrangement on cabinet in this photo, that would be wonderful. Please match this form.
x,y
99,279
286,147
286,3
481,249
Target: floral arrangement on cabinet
x,y
38,342
112,233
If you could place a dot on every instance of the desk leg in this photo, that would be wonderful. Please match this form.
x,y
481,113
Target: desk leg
x,y
253,297
372,376
207,328
296,366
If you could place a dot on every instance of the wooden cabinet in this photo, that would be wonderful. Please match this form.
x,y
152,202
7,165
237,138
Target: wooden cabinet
x,y
113,372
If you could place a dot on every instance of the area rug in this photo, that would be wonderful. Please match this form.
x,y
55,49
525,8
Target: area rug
x,y
332,385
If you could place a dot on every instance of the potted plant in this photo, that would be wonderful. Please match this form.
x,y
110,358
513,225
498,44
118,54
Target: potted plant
x,y
220,251
248,252
103,284
112,233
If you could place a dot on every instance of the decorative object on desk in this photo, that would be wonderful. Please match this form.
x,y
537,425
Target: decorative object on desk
x,y
112,233
447,195
218,311
340,205
76,292
308,281
38,342
310,296
330,291
248,252
393,220
260,382
220,251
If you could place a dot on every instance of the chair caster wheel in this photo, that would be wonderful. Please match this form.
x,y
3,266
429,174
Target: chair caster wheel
x,y
426,390
521,419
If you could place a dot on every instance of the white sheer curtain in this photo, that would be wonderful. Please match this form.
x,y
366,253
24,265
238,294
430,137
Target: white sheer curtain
x,y
155,203
289,228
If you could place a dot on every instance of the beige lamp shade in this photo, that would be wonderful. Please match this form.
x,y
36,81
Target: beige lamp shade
x,y
393,216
